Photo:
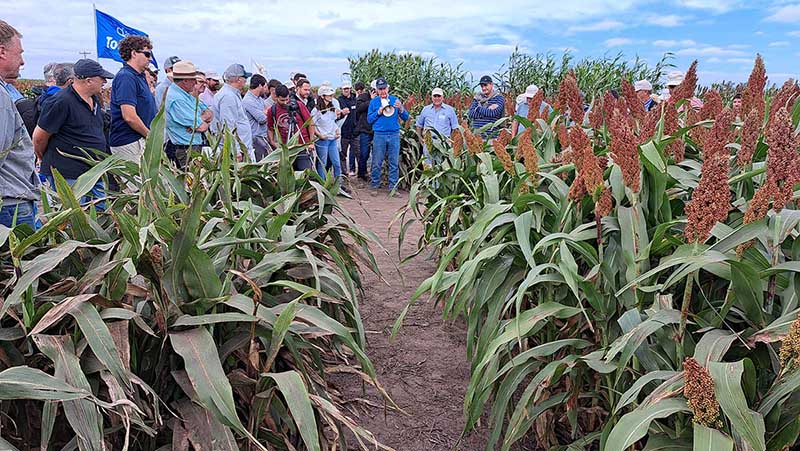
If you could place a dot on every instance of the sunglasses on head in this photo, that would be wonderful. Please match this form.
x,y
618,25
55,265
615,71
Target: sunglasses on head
x,y
146,53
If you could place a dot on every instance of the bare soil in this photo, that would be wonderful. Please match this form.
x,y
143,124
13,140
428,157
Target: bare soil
x,y
424,369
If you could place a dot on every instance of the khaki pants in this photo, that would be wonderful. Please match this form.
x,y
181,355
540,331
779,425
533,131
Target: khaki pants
x,y
131,152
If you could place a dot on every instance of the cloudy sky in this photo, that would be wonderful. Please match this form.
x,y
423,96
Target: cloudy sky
x,y
317,36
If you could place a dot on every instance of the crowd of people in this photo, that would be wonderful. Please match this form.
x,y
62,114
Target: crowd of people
x,y
349,135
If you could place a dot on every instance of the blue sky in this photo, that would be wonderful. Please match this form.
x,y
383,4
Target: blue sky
x,y
317,36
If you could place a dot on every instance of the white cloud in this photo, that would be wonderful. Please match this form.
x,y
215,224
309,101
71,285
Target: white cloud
x,y
502,49
617,42
717,6
714,60
708,51
671,20
795,34
673,43
785,14
605,25
740,60
779,44
759,33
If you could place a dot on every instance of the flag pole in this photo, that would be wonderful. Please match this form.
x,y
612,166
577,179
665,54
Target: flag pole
x,y
94,16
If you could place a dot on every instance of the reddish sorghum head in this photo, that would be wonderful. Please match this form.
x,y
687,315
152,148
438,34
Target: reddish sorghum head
x,y
499,144
609,103
604,204
783,161
458,143
410,103
700,395
676,148
790,347
753,96
686,89
719,135
634,105
562,134
510,104
648,127
625,150
783,99
712,106
750,131
569,98
533,112
596,114
711,200
530,158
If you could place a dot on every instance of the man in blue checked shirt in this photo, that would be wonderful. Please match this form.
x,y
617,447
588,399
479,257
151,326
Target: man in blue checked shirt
x,y
187,117
438,116
487,107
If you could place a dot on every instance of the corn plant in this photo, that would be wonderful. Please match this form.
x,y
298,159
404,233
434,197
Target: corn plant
x,y
629,284
203,309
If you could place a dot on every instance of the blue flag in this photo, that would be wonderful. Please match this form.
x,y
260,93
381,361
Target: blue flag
x,y
110,32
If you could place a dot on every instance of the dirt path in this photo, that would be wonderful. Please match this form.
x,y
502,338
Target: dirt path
x,y
424,369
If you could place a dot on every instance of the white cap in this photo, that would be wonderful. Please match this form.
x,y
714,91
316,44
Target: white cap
x,y
326,90
289,84
346,84
675,78
437,92
373,84
213,76
531,91
642,85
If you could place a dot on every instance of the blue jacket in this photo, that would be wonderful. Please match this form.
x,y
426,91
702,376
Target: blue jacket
x,y
381,123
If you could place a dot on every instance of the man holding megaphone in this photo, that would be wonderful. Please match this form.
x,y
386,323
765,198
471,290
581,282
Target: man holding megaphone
x,y
385,112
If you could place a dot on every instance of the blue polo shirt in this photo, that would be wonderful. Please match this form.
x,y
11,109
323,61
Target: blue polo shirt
x,y
129,88
183,111
73,124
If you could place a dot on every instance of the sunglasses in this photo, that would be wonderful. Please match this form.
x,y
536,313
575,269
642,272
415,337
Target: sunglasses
x,y
437,95
146,53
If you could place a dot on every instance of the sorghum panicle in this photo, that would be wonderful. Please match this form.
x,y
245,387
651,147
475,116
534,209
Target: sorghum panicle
x,y
609,103
711,200
790,348
700,395
753,96
636,107
428,140
458,143
569,98
676,148
533,112
783,99
499,144
719,135
563,136
531,159
648,127
596,114
687,87
604,204
625,150
749,131
783,161
510,104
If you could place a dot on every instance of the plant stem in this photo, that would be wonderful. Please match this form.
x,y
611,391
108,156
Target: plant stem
x,y
687,300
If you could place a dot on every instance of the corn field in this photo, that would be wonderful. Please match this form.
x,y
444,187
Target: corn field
x,y
629,279
207,310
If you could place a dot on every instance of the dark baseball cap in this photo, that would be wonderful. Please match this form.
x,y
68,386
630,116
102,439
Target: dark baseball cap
x,y
169,62
87,68
486,79
381,83
236,70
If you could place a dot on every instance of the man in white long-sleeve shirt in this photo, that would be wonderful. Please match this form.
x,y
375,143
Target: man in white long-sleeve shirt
x,y
228,109
255,108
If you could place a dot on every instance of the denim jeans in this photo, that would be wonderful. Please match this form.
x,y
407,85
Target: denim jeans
x,y
327,150
363,153
25,211
386,146
349,145
97,191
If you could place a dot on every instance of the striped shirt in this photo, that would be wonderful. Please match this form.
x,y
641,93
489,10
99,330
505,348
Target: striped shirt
x,y
481,115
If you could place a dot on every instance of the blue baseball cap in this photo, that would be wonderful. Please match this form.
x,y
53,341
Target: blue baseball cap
x,y
381,83
87,68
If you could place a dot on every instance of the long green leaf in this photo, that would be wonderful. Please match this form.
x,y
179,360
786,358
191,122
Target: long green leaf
x,y
728,388
294,391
